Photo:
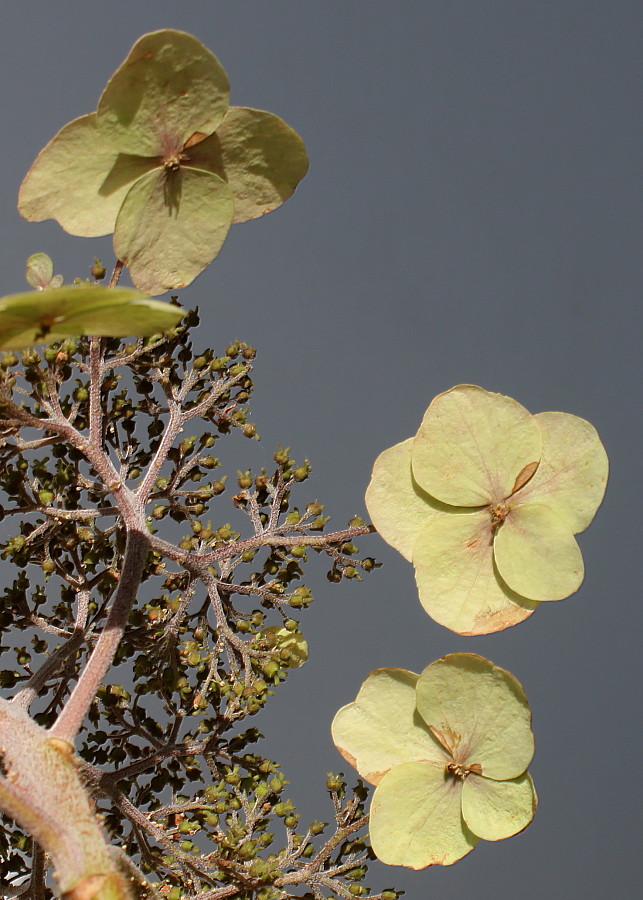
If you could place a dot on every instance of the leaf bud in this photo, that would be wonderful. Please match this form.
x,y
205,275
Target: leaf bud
x,y
282,456
200,362
334,783
270,668
46,497
81,394
247,850
98,270
317,827
218,487
244,479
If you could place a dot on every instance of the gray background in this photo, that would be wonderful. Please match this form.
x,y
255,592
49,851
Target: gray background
x,y
472,214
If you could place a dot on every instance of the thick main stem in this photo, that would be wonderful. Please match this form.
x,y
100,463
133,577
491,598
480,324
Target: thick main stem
x,y
71,717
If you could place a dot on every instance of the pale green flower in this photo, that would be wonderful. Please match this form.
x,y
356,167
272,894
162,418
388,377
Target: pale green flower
x,y
448,751
485,501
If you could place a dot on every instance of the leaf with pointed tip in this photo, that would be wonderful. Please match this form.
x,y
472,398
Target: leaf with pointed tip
x,y
170,90
261,157
80,180
171,226
51,315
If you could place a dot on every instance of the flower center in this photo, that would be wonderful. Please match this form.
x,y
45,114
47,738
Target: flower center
x,y
172,163
499,513
460,771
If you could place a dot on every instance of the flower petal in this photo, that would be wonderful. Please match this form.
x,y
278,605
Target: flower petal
x,y
457,582
170,90
382,728
80,180
52,314
481,711
39,271
262,159
536,553
572,475
473,445
171,226
398,507
415,818
495,810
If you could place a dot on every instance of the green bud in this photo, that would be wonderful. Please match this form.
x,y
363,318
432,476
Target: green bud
x,y
98,270
46,497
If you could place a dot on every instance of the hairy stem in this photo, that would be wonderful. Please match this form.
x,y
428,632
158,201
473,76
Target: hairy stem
x,y
71,717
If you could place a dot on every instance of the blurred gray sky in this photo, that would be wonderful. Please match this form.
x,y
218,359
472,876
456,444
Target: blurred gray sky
x,y
472,214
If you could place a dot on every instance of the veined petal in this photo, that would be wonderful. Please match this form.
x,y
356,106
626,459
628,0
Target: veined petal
x,y
55,313
171,226
481,712
171,90
382,729
261,157
457,582
473,445
415,818
80,179
536,553
495,810
572,475
398,507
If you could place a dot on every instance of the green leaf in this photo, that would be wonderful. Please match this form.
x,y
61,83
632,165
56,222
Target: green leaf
x,y
261,157
536,553
171,226
415,818
482,712
456,578
170,90
50,315
495,810
80,180
472,445
382,729
572,475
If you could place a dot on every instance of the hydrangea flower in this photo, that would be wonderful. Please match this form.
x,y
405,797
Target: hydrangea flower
x,y
485,501
164,163
448,751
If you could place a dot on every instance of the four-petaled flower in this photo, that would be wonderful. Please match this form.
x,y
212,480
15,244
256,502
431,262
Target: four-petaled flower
x,y
164,163
485,501
448,751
